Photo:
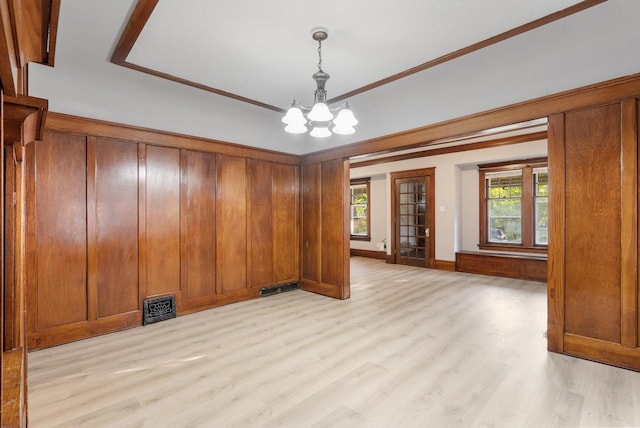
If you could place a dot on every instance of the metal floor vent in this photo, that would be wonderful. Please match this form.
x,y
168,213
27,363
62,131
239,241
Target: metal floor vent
x,y
158,309
276,289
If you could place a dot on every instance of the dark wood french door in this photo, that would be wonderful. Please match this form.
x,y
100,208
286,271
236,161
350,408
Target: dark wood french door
x,y
413,217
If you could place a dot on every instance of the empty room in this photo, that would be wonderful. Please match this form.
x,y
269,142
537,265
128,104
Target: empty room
x,y
358,214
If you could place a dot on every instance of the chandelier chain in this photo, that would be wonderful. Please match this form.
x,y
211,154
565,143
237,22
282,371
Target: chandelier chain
x,y
320,55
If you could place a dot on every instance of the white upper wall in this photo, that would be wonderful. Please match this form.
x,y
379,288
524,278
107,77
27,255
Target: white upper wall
x,y
595,45
456,194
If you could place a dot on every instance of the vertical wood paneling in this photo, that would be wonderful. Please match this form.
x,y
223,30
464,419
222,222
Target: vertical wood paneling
x,y
261,223
231,224
9,297
286,222
142,223
638,227
200,263
331,218
61,232
556,259
592,223
162,220
116,226
311,222
629,224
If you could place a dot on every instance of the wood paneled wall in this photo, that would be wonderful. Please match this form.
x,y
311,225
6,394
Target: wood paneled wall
x,y
593,252
325,228
113,221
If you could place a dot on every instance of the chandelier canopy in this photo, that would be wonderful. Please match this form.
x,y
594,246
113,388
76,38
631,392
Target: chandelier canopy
x,y
320,118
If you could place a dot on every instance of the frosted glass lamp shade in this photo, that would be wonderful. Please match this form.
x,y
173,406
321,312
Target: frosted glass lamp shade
x,y
295,128
320,132
294,117
320,113
344,130
345,119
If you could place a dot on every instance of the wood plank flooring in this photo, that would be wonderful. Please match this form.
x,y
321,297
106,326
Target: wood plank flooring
x,y
412,348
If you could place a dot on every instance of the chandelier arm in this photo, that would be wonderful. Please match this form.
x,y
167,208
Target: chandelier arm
x,y
320,117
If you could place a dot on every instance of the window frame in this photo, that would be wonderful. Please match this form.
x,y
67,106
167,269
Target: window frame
x,y
527,207
360,182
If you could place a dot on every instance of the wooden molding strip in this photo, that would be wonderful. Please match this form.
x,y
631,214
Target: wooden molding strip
x,y
132,31
99,128
381,255
591,95
534,136
54,16
447,265
145,8
130,35
474,47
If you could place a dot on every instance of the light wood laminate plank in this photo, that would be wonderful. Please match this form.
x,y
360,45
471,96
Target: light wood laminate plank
x,y
412,347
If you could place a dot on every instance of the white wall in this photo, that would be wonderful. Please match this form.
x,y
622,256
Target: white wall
x,y
456,194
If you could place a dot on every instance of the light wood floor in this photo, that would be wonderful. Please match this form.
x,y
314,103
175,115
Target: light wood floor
x,y
412,347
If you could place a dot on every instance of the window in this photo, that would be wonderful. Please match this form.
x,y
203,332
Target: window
x,y
360,229
514,206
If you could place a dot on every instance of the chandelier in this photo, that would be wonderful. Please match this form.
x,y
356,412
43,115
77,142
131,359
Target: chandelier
x,y
320,118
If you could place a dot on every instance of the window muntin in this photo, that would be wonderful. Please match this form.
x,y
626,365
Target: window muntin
x,y
541,198
360,226
514,204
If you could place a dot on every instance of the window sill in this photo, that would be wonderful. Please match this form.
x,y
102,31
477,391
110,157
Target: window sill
x,y
360,238
513,248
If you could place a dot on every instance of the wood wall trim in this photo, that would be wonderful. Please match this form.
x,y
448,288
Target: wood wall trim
x,y
556,276
13,388
78,125
602,351
130,35
131,32
474,47
54,15
498,142
447,265
530,268
381,255
629,223
591,95
28,33
69,333
144,9
16,112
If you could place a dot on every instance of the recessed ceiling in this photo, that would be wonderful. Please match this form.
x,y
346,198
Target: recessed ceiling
x,y
263,51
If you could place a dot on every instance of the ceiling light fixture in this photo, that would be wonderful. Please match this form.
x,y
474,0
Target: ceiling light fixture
x,y
319,117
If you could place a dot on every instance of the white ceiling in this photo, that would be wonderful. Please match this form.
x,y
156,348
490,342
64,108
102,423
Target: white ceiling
x,y
264,51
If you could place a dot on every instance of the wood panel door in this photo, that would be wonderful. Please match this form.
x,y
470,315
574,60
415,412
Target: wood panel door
x,y
413,218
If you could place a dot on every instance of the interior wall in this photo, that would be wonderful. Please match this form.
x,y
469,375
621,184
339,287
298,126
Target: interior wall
x,y
456,196
112,222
